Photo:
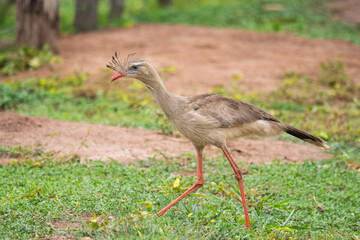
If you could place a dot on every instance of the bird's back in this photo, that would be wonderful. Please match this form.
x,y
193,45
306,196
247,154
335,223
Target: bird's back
x,y
213,119
227,111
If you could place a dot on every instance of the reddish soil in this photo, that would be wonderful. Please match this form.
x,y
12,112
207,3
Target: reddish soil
x,y
129,144
69,227
205,57
345,10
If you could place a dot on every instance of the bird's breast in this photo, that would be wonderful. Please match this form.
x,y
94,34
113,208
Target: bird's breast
x,y
200,130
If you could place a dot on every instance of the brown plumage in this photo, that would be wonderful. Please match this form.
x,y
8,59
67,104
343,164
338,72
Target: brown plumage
x,y
208,119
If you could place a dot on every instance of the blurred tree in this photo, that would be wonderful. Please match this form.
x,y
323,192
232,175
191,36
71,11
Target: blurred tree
x,y
164,3
116,8
37,23
85,15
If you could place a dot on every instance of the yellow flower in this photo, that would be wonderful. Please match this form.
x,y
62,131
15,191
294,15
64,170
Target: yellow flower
x,y
190,214
212,220
177,183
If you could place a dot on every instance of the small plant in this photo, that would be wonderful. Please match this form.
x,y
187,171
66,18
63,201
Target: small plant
x,y
25,58
14,93
333,75
165,125
33,156
135,94
331,86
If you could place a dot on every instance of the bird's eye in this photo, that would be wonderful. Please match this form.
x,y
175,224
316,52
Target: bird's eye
x,y
134,68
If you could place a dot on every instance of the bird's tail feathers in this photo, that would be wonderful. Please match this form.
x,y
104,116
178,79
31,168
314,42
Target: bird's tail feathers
x,y
305,136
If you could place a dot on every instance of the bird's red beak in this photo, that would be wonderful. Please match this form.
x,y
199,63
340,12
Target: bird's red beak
x,y
117,75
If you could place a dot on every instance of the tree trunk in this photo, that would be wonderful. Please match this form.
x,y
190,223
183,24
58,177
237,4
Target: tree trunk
x,y
116,8
164,3
37,23
86,15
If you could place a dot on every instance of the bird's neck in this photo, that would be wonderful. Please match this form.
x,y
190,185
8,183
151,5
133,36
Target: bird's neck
x,y
168,102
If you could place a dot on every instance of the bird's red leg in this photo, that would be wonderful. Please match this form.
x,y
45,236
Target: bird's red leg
x,y
199,182
238,176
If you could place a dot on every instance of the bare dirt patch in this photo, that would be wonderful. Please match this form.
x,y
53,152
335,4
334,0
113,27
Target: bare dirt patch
x,y
345,10
64,225
64,228
5,161
205,57
128,144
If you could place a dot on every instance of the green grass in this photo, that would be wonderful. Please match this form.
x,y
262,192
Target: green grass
x,y
38,190
305,18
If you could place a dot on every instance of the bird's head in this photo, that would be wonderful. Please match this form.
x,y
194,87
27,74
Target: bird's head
x,y
138,68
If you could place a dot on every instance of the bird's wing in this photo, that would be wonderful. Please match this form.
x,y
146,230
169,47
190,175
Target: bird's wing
x,y
227,112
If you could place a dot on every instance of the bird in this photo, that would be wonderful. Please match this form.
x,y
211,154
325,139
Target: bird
x,y
207,119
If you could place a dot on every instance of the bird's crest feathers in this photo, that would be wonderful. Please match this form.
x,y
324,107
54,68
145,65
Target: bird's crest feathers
x,y
117,65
